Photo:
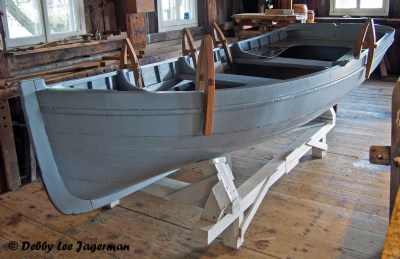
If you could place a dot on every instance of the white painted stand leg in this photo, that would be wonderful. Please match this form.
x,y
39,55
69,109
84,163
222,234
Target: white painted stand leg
x,y
112,204
229,210
224,194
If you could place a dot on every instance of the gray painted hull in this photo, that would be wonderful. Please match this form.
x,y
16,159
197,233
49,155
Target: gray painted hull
x,y
96,146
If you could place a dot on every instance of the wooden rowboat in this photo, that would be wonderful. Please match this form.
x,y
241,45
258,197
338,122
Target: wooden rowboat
x,y
100,138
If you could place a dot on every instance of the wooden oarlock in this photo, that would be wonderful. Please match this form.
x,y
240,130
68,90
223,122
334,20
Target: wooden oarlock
x,y
188,45
219,38
128,48
229,210
205,81
369,27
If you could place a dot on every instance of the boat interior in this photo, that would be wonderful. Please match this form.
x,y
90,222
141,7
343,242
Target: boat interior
x,y
179,74
263,60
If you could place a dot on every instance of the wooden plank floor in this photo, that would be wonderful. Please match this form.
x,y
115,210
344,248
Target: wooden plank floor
x,y
336,207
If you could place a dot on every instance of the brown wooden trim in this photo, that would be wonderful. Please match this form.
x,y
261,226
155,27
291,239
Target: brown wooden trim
x,y
173,35
211,14
188,45
127,48
205,81
7,146
8,93
137,30
391,247
29,59
395,169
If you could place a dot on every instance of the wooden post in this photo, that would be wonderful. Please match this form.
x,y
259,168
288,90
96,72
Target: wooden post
x,y
385,155
133,23
211,14
286,4
395,150
137,30
109,16
7,145
95,18
4,69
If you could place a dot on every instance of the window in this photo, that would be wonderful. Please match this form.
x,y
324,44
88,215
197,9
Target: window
x,y
359,7
176,14
34,21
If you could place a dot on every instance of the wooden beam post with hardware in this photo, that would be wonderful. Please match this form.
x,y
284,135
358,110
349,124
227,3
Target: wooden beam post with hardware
x,y
211,14
7,146
386,155
137,24
4,69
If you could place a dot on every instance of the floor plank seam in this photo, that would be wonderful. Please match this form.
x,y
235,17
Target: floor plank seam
x,y
260,252
153,217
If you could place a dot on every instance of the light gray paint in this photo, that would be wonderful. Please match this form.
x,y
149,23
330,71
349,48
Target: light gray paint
x,y
96,145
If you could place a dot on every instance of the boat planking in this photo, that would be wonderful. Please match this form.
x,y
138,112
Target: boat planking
x,y
100,138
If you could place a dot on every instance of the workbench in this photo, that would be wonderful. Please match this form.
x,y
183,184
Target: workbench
x,y
246,22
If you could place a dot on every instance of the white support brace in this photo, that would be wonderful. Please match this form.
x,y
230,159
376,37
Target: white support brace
x,y
230,210
223,195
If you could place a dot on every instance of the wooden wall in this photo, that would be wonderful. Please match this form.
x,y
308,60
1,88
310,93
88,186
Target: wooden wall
x,y
111,15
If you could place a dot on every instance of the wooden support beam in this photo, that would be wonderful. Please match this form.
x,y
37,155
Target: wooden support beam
x,y
7,146
395,149
4,69
384,155
140,6
211,14
109,16
137,30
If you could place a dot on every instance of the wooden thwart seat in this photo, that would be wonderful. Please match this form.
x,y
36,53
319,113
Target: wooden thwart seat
x,y
286,62
233,79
